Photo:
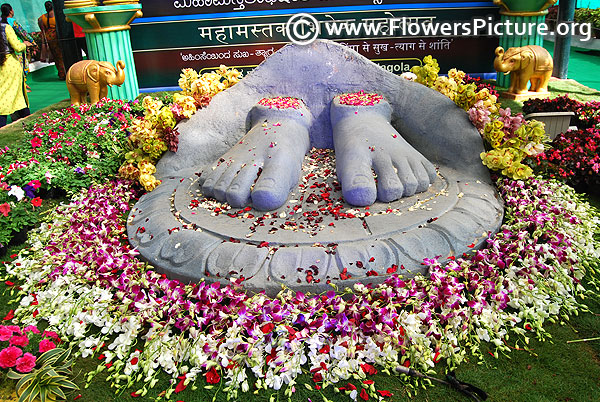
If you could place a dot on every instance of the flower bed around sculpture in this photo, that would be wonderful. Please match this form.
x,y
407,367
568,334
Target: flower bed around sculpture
x,y
80,277
137,322
62,150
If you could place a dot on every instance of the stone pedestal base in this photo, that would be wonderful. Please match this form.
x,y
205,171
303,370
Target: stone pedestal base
x,y
524,96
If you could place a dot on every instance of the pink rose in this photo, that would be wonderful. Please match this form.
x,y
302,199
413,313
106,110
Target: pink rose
x,y
22,340
5,333
8,356
26,363
46,345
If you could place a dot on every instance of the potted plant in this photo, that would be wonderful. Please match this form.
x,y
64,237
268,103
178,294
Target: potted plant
x,y
591,16
517,7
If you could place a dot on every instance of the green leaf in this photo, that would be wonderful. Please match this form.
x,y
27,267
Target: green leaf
x,y
43,394
49,356
59,392
29,391
64,383
14,375
24,380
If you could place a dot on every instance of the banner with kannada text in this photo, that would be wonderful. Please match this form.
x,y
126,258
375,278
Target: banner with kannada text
x,y
203,34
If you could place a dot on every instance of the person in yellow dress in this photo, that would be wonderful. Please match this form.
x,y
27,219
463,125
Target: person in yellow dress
x,y
13,97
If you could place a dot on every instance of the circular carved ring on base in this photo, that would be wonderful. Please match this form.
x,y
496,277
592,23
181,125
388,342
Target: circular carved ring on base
x,y
314,239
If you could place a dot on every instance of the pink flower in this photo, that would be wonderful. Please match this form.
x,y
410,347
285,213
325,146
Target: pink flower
x,y
8,356
26,363
5,333
46,345
51,334
31,328
22,340
35,184
36,142
5,209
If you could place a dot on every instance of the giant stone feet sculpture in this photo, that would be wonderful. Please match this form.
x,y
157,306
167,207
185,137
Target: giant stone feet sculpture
x,y
316,238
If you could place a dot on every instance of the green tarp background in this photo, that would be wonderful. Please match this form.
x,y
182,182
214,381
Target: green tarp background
x,y
27,12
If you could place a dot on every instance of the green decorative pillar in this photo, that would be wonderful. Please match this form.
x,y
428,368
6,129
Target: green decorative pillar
x,y
521,12
106,31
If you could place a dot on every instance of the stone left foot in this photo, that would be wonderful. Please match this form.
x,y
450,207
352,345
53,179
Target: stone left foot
x,y
364,140
265,165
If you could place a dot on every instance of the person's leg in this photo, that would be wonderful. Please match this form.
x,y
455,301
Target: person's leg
x,y
23,113
3,120
58,60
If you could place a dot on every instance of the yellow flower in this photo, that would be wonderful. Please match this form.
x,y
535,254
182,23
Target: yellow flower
x,y
489,100
166,118
129,171
497,159
428,72
518,171
149,181
186,78
445,86
495,137
457,75
233,75
465,96
152,107
187,103
146,167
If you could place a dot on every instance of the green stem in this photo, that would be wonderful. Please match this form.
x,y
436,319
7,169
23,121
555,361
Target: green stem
x,y
584,340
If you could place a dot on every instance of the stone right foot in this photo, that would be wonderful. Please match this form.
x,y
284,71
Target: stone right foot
x,y
364,140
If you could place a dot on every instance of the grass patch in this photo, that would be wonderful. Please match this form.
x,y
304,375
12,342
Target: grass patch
x,y
12,134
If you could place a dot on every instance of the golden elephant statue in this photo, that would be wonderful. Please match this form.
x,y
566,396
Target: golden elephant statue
x,y
528,63
93,77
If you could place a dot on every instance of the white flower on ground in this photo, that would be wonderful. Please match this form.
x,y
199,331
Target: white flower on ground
x,y
17,192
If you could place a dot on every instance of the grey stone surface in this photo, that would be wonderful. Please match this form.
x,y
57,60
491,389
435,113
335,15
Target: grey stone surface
x,y
313,240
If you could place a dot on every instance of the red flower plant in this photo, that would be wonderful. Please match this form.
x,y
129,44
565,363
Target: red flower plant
x,y
212,377
22,341
46,345
36,202
36,142
5,209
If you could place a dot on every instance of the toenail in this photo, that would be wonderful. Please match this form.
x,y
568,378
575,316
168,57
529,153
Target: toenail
x,y
267,183
360,180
